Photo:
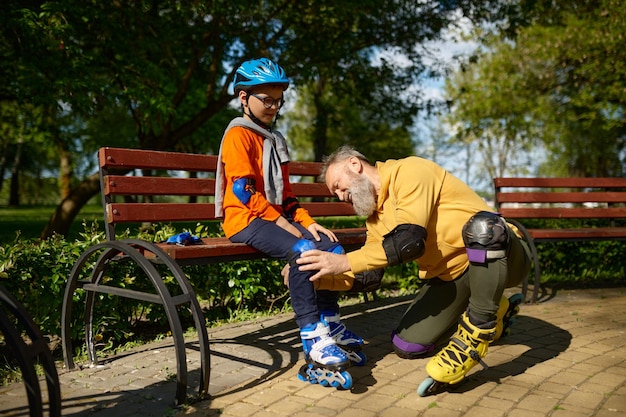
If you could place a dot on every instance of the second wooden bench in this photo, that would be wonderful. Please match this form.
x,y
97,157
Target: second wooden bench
x,y
520,199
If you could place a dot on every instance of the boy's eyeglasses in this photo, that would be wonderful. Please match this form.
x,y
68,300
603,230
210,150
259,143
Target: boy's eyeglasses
x,y
269,102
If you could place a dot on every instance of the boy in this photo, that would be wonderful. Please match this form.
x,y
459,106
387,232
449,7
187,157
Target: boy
x,y
260,209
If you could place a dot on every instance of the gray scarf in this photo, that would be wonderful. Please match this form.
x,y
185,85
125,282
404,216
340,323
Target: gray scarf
x,y
275,153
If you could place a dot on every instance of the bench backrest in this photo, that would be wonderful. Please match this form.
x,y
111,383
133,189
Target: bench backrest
x,y
173,177
543,198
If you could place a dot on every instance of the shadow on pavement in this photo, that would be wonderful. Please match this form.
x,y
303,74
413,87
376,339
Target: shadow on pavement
x,y
267,352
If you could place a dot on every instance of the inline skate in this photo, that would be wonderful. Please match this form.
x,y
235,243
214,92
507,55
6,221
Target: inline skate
x,y
326,363
348,341
467,347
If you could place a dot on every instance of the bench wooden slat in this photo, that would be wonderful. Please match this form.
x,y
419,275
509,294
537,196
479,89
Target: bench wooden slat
x,y
175,161
184,212
159,212
144,159
310,190
139,185
561,197
216,248
578,234
136,185
308,169
329,209
563,213
600,182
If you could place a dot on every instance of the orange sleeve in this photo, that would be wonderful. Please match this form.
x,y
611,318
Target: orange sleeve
x,y
242,156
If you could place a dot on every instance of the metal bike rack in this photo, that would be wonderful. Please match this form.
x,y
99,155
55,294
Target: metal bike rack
x,y
26,354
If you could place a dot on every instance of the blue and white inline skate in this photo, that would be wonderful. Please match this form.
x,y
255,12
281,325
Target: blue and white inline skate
x,y
326,362
348,341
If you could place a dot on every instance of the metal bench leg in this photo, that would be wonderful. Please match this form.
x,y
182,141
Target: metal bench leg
x,y
535,259
130,248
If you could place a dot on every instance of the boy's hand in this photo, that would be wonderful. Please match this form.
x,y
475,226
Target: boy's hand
x,y
317,228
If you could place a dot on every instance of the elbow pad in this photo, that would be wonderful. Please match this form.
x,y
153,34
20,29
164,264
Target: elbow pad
x,y
404,243
243,188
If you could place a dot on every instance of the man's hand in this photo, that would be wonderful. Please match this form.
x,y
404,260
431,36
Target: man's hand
x,y
325,263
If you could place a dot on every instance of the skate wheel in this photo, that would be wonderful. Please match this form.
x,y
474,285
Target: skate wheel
x,y
347,384
516,299
358,358
304,374
425,387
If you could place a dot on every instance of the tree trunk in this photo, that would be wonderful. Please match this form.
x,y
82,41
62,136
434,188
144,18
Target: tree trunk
x,y
65,172
320,123
65,212
3,164
14,192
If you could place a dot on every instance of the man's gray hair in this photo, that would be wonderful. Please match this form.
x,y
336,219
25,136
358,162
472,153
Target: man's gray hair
x,y
340,155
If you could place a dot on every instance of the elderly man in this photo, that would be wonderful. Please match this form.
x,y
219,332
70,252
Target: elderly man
x,y
467,256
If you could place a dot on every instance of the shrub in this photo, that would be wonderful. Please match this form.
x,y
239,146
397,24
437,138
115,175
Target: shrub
x,y
35,272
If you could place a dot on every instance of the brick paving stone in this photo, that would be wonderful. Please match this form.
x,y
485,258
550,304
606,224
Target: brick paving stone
x,y
495,404
560,412
481,411
565,356
583,399
441,412
538,402
608,379
615,403
393,412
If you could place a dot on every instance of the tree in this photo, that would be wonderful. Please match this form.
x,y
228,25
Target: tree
x,y
344,121
167,65
558,83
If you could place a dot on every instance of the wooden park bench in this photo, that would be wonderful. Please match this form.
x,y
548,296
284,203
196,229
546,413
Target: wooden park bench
x,y
519,199
164,197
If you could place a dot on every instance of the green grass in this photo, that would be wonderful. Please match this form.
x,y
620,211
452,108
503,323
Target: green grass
x,y
30,221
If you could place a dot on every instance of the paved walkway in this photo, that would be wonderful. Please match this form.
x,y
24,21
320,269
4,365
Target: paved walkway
x,y
565,356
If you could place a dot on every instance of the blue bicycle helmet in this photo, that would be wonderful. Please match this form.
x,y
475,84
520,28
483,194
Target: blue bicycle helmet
x,y
258,72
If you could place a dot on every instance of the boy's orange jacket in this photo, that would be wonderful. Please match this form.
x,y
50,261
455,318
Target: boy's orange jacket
x,y
242,156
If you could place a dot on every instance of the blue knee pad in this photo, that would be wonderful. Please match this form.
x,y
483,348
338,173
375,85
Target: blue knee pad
x,y
336,248
302,245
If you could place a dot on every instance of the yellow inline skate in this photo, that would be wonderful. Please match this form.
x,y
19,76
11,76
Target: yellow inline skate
x,y
467,347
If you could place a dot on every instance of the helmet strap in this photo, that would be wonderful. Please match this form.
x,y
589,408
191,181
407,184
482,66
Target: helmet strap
x,y
257,120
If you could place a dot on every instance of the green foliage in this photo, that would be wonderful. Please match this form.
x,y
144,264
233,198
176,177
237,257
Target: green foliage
x,y
322,121
581,264
35,272
156,74
554,86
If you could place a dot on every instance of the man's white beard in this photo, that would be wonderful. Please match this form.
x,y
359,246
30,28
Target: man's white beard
x,y
363,195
